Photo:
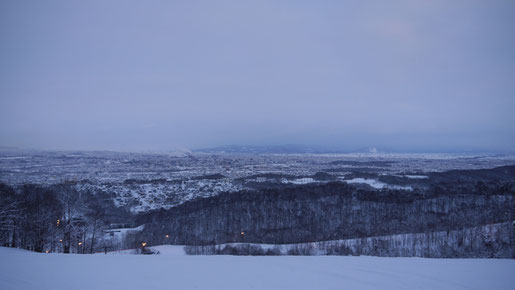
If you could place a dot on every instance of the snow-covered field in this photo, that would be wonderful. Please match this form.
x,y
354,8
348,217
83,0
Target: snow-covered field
x,y
174,270
376,184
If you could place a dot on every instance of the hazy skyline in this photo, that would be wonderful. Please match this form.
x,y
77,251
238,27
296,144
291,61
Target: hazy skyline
x,y
160,75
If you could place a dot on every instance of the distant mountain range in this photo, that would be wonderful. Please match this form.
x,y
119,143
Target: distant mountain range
x,y
321,149
280,149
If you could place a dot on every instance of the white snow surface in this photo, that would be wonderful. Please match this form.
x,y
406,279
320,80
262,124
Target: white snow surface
x,y
372,182
417,176
376,184
305,180
173,270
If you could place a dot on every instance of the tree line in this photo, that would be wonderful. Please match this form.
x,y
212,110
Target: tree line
x,y
55,218
310,213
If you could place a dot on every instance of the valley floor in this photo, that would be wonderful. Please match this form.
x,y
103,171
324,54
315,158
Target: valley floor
x,y
173,270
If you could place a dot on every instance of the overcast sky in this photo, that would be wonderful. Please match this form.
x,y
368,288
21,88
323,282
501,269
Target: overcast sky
x,y
159,75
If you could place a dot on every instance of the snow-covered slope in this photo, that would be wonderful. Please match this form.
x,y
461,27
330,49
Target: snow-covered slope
x,y
26,270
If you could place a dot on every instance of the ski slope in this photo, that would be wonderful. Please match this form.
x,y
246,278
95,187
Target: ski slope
x,y
173,270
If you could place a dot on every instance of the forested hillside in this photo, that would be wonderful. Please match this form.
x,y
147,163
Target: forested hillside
x,y
436,211
332,211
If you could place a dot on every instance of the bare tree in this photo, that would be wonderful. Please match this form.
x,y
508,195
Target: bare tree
x,y
96,215
71,222
40,210
9,214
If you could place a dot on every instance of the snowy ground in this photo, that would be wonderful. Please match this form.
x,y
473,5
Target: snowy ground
x,y
173,270
377,184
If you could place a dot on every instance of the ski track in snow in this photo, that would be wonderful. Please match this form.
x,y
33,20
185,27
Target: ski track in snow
x,y
172,269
